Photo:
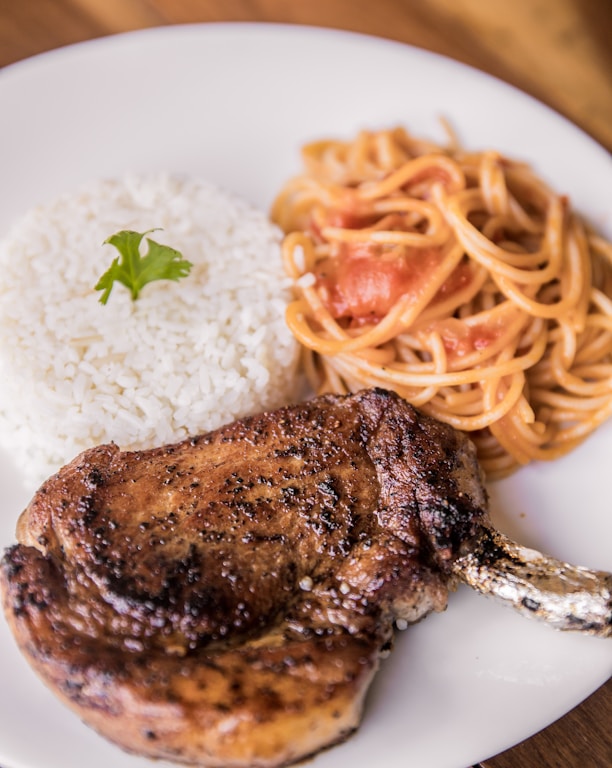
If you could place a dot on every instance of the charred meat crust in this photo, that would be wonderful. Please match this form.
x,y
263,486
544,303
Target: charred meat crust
x,y
230,596
267,701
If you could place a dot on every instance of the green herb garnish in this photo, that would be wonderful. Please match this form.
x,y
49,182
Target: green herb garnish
x,y
135,271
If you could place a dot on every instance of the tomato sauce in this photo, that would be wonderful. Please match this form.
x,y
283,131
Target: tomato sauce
x,y
461,339
458,279
363,282
343,219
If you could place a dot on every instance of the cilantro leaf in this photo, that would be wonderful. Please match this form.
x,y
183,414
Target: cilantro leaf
x,y
135,271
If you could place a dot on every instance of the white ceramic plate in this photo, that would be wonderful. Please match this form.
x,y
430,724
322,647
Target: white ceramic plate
x,y
234,103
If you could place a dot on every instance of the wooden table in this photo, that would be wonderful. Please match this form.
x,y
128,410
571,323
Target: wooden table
x,y
557,50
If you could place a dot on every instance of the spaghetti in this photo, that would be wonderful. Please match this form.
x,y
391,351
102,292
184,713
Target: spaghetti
x,y
459,280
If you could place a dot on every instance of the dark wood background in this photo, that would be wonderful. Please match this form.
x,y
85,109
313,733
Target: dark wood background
x,y
560,51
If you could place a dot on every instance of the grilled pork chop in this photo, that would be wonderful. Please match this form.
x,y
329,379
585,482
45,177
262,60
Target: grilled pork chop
x,y
225,601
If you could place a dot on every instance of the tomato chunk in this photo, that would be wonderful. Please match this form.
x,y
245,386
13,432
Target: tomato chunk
x,y
461,338
363,282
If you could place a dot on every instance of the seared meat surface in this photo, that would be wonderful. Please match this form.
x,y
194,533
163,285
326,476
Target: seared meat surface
x,y
225,601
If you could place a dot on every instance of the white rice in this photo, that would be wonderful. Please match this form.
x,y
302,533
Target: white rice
x,y
186,357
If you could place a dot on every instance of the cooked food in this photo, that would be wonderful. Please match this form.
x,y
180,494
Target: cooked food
x,y
226,600
458,279
185,357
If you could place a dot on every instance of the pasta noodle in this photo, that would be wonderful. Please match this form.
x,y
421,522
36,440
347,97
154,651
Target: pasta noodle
x,y
460,280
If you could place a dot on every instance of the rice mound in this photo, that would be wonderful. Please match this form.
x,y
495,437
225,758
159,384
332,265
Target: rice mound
x,y
184,358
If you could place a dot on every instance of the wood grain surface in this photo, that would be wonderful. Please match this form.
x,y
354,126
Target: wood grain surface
x,y
559,51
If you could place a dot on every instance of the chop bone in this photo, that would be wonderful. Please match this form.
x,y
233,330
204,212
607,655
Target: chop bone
x,y
567,597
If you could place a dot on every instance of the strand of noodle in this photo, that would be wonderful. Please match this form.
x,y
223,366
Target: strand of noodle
x,y
465,397
521,218
572,278
567,403
294,243
493,411
518,257
334,382
397,374
411,308
577,238
510,440
328,161
575,384
388,152
517,428
438,354
491,448
370,155
310,367
601,301
532,433
406,204
596,323
386,236
517,438
494,464
503,313
498,466
437,231
497,260
438,309
384,355
295,316
421,343
600,246
405,352
527,186
412,169
493,184
580,431
590,348
532,331
291,208
525,445
563,419
489,387
491,173
564,351
529,432
598,345
575,377
470,407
